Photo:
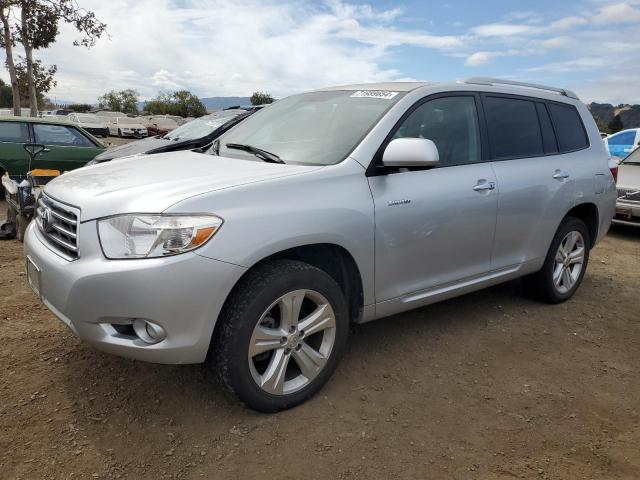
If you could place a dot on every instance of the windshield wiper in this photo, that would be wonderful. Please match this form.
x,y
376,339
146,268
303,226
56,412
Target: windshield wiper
x,y
258,152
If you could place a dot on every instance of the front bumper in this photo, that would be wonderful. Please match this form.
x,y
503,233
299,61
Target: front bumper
x,y
184,294
627,213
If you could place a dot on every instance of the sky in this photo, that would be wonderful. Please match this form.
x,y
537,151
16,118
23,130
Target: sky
x,y
233,48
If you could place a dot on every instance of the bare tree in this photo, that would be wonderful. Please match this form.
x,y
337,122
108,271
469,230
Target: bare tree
x,y
8,43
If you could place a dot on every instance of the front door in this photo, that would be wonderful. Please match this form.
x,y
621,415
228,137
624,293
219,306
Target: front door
x,y
435,227
66,147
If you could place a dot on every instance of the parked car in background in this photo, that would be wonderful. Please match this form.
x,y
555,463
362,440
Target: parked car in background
x,y
159,125
67,146
196,134
623,143
126,127
628,204
107,113
91,123
339,205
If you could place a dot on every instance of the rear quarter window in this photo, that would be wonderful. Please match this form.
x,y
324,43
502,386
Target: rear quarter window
x,y
14,132
568,126
514,129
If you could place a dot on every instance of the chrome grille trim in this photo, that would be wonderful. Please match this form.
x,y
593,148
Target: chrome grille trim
x,y
60,229
631,195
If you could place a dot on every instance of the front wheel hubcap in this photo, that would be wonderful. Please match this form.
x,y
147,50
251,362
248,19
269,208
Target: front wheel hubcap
x,y
292,342
569,262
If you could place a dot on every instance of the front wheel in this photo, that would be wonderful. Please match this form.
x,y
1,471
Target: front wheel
x,y
119,133
565,264
281,335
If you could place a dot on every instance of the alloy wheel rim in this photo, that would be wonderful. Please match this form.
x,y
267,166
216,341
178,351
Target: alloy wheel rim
x,y
569,261
291,342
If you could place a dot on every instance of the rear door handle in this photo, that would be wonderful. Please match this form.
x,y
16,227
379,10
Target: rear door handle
x,y
480,187
561,175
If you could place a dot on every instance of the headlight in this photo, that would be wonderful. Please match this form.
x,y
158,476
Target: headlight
x,y
148,236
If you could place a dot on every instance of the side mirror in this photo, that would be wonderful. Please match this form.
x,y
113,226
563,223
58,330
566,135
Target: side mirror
x,y
410,152
33,149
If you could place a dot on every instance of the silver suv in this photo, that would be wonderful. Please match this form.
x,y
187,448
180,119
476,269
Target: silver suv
x,y
340,205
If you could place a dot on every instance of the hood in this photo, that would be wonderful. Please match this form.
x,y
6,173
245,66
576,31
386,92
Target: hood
x,y
133,148
152,183
629,175
130,126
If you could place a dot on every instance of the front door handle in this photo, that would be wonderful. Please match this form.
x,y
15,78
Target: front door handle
x,y
480,187
561,175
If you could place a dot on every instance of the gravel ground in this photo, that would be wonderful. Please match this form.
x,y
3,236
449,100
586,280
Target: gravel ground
x,y
487,386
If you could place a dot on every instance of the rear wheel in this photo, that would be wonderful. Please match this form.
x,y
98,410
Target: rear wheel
x,y
565,264
281,335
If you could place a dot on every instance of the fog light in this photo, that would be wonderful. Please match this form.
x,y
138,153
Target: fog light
x,y
148,332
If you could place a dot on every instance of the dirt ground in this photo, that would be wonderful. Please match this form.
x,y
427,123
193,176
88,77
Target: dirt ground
x,y
488,386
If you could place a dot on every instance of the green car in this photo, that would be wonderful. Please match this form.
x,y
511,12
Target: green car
x,y
67,146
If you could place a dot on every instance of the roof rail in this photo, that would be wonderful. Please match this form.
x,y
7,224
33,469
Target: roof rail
x,y
498,81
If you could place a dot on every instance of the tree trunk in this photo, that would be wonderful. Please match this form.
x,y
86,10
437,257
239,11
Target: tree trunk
x,y
28,52
11,66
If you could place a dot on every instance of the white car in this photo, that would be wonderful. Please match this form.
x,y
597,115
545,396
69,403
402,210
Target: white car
x,y
96,126
107,113
126,127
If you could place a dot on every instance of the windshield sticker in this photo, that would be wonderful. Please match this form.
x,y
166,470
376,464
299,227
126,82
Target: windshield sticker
x,y
383,94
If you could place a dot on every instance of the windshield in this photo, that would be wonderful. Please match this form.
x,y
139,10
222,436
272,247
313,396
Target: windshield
x,y
203,126
633,157
319,128
85,118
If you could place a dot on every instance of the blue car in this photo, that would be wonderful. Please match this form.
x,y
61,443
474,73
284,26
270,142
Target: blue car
x,y
623,143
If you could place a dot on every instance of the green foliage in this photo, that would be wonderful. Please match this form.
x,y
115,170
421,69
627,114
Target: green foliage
x,y
602,127
182,103
79,107
43,79
6,95
615,125
123,101
261,98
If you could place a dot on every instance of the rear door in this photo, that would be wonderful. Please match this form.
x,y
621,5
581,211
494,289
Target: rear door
x,y
435,227
536,175
13,157
67,147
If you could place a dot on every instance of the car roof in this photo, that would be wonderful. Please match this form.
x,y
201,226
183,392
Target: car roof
x,y
49,120
393,86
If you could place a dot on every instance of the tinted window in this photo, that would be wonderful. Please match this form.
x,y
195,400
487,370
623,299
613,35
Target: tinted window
x,y
548,135
569,129
624,138
60,135
451,123
15,132
514,128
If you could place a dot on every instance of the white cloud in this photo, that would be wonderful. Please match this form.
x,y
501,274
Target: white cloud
x,y
216,47
502,30
617,13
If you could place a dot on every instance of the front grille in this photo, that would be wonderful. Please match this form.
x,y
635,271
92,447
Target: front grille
x,y
58,224
629,194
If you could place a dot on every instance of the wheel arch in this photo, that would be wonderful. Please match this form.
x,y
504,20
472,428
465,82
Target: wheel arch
x,y
333,259
588,213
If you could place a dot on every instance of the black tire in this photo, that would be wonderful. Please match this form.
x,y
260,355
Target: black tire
x,y
119,133
247,303
22,223
540,285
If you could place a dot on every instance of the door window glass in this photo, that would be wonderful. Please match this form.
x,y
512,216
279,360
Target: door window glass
x,y
514,128
15,132
569,129
451,123
60,135
548,135
624,138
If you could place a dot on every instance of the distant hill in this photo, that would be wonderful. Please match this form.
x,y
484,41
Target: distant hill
x,y
629,114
